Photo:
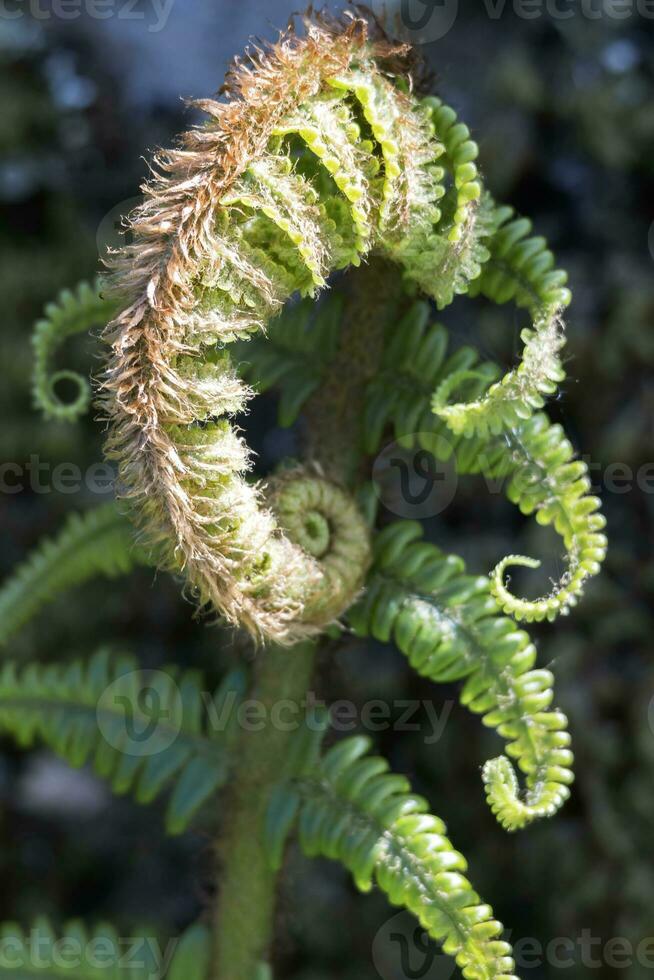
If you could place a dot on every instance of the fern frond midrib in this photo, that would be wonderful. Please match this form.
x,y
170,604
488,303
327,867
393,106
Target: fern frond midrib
x,y
546,477
501,265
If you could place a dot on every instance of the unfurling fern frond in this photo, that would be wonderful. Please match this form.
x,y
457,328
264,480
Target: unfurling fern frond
x,y
544,479
517,395
80,953
100,542
338,160
143,731
450,627
520,269
414,363
356,812
72,312
321,156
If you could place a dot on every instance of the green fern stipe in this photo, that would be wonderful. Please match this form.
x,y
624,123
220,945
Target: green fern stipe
x,y
144,732
73,312
79,953
358,813
450,627
100,542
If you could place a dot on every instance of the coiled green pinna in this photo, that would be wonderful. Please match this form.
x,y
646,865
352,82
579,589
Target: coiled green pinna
x,y
322,158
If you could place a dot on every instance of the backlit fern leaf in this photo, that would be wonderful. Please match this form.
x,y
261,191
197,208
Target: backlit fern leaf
x,y
356,812
521,269
542,476
450,627
414,363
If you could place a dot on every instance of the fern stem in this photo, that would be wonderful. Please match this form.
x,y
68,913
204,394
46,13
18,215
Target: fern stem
x,y
246,903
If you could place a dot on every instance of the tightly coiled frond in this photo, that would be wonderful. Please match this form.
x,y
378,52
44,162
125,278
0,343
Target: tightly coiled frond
x,y
318,159
144,732
71,313
100,542
358,813
450,627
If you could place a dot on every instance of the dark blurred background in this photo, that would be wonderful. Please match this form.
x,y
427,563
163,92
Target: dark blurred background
x,y
563,110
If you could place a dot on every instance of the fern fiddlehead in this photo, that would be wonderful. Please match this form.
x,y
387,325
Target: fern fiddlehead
x,y
72,313
450,627
334,162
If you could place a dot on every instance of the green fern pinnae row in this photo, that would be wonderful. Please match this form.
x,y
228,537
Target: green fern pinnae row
x,y
296,353
547,481
145,732
532,458
450,628
99,542
80,953
356,812
519,393
521,267
72,312
460,153
414,363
